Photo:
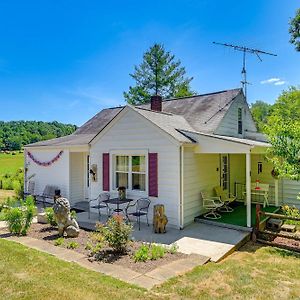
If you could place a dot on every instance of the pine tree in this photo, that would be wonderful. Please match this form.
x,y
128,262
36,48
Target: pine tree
x,y
158,74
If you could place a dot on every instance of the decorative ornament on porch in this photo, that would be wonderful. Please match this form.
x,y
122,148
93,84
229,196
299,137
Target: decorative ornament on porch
x,y
93,172
274,174
47,163
122,192
65,223
160,220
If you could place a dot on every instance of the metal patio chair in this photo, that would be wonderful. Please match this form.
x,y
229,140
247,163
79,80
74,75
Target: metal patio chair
x,y
212,204
141,209
226,197
100,202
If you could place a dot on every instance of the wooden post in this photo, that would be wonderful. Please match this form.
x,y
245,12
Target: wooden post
x,y
257,222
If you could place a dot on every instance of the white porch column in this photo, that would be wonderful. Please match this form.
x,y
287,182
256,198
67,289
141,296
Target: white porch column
x,y
248,188
276,192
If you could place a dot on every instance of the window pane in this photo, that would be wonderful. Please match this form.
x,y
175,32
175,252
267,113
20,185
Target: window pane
x,y
122,163
121,180
138,182
138,164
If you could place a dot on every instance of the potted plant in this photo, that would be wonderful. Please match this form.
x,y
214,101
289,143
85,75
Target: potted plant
x,y
122,192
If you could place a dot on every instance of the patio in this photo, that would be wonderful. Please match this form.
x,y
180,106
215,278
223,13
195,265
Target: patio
x,y
204,239
239,216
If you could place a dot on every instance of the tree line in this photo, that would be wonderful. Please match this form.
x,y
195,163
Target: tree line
x,y
15,134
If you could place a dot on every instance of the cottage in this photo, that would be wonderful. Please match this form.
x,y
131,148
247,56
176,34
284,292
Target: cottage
x,y
168,150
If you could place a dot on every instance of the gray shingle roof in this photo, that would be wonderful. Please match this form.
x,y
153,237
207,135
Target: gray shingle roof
x,y
199,113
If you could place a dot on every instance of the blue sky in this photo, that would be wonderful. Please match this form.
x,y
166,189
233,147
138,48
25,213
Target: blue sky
x,y
66,60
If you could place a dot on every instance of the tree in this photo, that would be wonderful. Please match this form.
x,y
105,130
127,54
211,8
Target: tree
x,y
158,74
260,111
283,130
294,30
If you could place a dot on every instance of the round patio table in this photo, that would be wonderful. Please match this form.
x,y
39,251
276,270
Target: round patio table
x,y
118,202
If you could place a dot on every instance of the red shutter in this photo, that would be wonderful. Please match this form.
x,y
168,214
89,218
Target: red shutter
x,y
105,171
153,174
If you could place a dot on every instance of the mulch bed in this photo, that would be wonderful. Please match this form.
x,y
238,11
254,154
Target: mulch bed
x,y
50,234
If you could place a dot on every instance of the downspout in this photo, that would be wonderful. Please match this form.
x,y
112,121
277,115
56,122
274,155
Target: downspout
x,y
181,208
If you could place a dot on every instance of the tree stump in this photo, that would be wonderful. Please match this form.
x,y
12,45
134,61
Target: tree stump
x,y
160,220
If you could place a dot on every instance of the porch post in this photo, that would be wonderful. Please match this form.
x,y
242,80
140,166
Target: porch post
x,y
248,187
276,192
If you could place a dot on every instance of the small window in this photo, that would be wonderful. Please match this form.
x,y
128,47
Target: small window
x,y
259,167
240,121
130,172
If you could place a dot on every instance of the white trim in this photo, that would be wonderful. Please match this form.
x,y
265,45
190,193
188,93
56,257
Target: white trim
x,y
129,152
248,188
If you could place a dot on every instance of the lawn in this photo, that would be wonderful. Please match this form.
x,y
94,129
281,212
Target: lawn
x,y
4,194
254,272
11,163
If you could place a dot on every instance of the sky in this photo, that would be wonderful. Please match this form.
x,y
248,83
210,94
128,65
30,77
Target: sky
x,y
66,60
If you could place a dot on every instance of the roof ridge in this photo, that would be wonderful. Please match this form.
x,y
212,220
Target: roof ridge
x,y
155,111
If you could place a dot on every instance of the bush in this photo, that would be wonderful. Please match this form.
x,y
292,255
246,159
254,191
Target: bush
x,y
19,219
59,241
142,254
157,251
173,248
50,216
72,245
73,214
291,211
116,233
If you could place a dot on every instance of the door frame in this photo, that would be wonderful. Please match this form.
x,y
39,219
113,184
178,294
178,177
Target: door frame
x,y
222,156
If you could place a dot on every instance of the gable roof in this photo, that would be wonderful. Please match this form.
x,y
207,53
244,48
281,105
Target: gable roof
x,y
201,113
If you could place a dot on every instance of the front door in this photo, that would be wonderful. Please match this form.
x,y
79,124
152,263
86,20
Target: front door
x,y
224,171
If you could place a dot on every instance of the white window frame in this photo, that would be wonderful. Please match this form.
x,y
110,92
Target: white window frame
x,y
113,171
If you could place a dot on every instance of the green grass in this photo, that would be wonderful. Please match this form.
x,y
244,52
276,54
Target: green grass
x,y
239,215
253,273
11,163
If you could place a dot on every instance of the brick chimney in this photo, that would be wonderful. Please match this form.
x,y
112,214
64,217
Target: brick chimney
x,y
156,103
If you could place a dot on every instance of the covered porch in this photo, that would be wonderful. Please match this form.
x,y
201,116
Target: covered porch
x,y
236,165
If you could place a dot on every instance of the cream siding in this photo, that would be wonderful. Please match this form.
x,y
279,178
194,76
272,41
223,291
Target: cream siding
x,y
55,174
237,169
229,124
77,176
201,173
132,132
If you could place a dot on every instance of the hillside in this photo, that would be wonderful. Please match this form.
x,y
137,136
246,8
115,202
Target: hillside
x,y
15,134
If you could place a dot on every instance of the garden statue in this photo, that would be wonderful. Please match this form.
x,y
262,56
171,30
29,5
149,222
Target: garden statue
x,y
66,224
160,220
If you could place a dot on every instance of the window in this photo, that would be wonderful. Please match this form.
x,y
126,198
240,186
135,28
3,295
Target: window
x,y
240,121
130,171
259,167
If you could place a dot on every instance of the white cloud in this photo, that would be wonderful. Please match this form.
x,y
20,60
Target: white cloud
x,y
274,81
281,82
270,80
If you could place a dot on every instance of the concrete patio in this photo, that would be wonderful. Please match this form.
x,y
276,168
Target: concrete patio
x,y
203,239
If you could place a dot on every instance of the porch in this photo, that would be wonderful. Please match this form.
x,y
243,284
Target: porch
x,y
238,217
207,240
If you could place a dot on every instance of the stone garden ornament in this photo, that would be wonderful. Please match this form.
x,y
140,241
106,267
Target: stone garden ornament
x,y
66,224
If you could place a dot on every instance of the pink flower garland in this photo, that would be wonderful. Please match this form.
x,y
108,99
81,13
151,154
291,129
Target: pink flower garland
x,y
48,163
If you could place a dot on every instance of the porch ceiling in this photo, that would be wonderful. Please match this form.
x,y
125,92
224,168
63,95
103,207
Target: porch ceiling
x,y
210,143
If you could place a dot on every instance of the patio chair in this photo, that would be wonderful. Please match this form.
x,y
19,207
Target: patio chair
x,y
30,189
48,193
227,199
100,202
141,209
212,204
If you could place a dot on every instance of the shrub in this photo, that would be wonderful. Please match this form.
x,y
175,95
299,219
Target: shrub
x,y
291,211
50,216
59,241
173,248
73,214
72,245
157,251
142,254
116,233
19,219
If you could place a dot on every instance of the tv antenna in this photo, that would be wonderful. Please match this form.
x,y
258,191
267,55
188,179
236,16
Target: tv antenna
x,y
245,50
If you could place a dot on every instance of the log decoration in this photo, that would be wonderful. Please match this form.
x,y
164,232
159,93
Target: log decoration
x,y
45,163
160,220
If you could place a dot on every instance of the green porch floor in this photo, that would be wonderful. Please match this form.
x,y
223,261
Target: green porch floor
x,y
239,215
